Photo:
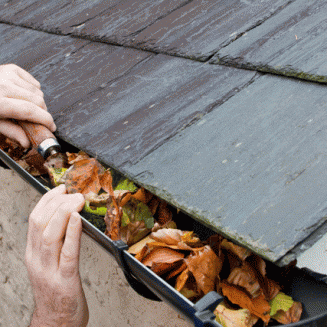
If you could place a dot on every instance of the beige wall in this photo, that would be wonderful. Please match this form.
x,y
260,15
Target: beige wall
x,y
111,301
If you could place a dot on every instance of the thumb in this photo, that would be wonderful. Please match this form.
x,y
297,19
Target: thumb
x,y
70,251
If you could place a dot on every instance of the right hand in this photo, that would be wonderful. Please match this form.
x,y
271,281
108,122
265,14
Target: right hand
x,y
21,98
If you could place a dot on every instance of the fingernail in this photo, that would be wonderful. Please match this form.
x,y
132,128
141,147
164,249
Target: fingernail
x,y
53,127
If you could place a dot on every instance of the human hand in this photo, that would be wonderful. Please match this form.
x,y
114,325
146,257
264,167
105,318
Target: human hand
x,y
21,98
52,260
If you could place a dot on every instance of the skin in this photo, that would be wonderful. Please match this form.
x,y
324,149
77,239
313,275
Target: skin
x,y
52,260
21,98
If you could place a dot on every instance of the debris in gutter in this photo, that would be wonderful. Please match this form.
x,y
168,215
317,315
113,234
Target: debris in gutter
x,y
144,222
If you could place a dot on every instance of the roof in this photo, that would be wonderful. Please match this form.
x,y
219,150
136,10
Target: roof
x,y
219,107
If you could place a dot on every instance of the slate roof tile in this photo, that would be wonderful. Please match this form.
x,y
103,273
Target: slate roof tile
x,y
292,43
239,151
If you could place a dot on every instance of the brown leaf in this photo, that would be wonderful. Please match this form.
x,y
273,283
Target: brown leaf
x,y
292,315
245,277
74,157
205,267
154,204
180,268
168,236
190,239
240,251
97,200
164,214
106,181
142,195
137,247
258,306
83,177
13,148
163,255
182,279
272,289
112,219
229,317
161,268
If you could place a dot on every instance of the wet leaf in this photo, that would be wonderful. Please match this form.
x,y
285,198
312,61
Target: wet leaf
x,y
280,302
258,306
292,315
234,318
205,267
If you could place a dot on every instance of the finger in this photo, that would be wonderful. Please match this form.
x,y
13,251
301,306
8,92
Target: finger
x,y
27,86
46,198
27,76
11,90
33,235
69,256
57,224
25,110
14,132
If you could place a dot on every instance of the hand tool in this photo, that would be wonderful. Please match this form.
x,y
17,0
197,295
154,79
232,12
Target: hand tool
x,y
41,138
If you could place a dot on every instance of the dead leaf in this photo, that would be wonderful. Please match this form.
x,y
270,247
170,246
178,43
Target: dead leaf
x,y
245,277
179,269
205,267
106,181
83,177
137,247
182,279
292,315
241,252
228,317
161,268
164,214
74,157
142,195
154,204
168,236
162,255
258,306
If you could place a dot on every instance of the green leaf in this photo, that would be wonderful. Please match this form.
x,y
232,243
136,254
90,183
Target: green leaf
x,y
57,173
126,185
143,212
280,302
125,219
99,211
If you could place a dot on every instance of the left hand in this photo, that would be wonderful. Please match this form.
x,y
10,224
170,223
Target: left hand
x,y
52,260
